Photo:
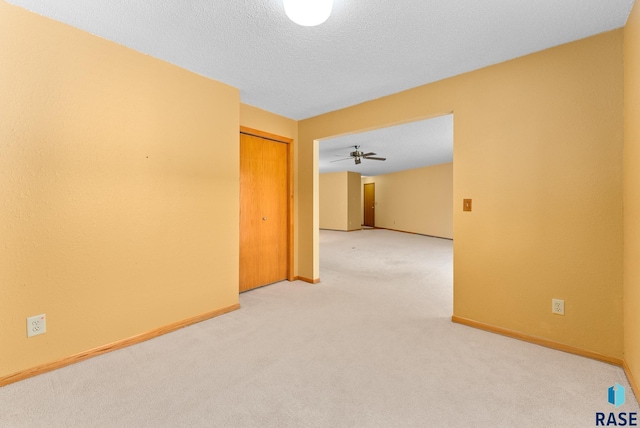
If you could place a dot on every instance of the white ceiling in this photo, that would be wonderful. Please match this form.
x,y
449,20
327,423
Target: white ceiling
x,y
408,146
366,49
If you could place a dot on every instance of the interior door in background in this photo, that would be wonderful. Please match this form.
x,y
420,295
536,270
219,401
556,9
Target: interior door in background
x,y
264,211
370,204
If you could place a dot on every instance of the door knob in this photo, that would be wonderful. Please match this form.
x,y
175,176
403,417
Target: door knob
x,y
264,218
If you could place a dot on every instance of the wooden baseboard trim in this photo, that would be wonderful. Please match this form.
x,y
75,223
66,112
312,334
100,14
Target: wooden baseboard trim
x,y
310,281
413,233
44,368
631,379
538,341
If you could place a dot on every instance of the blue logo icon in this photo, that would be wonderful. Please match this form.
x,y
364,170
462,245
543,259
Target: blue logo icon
x,y
616,395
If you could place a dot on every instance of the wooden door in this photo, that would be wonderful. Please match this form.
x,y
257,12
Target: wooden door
x,y
264,211
370,204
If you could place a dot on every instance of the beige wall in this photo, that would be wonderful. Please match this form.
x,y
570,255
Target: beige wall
x,y
417,200
354,186
339,201
538,147
632,193
334,197
119,189
262,120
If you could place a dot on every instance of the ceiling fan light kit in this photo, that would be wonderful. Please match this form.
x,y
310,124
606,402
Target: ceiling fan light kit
x,y
308,13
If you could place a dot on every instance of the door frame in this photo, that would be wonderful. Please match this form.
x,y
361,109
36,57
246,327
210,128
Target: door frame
x,y
290,225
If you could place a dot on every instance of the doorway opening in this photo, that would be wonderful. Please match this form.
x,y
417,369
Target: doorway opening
x,y
410,191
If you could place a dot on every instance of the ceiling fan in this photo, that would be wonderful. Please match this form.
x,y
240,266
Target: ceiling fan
x,y
357,156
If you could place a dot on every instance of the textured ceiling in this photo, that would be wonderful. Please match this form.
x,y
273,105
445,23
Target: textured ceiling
x,y
413,145
366,49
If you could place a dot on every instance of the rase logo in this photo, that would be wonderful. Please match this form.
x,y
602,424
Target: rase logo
x,y
616,397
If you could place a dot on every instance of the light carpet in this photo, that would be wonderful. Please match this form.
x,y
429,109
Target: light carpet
x,y
372,345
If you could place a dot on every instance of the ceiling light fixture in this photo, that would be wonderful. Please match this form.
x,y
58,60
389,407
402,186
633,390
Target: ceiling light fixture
x,y
308,13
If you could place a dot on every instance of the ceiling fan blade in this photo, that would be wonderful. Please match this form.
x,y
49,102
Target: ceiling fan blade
x,y
338,160
374,158
364,155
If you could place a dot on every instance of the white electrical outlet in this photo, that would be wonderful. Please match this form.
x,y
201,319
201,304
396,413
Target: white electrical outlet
x,y
557,306
36,325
